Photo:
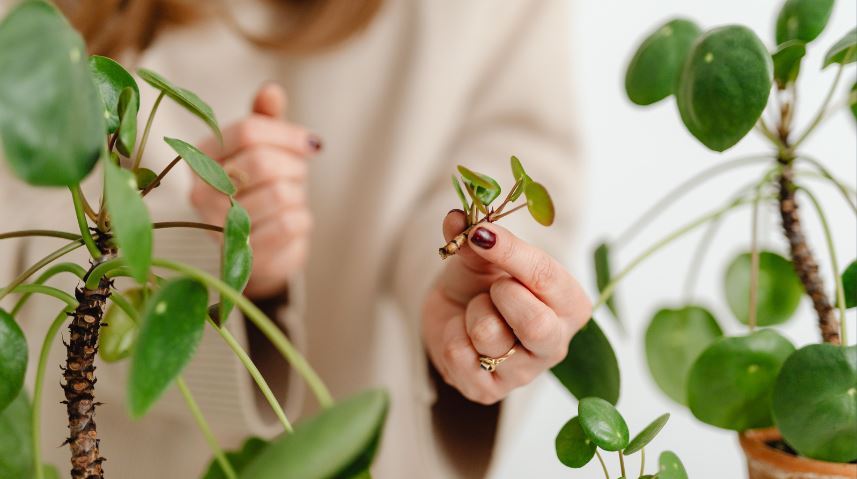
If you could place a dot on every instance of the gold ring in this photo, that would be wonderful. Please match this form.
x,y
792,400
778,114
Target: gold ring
x,y
490,364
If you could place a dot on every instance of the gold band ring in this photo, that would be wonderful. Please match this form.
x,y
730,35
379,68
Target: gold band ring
x,y
490,364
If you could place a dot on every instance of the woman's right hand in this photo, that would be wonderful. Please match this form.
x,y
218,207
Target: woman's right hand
x,y
266,157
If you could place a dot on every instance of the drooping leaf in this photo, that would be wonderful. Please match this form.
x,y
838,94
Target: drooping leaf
x,y
670,466
802,20
172,328
13,359
646,435
724,86
573,446
16,439
674,339
485,187
731,383
239,459
327,444
603,276
815,402
207,169
237,256
844,51
145,177
464,205
603,424
111,78
119,331
849,284
539,203
590,369
779,289
186,98
128,102
51,116
787,60
653,71
129,220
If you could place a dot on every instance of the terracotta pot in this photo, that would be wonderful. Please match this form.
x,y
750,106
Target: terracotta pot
x,y
765,462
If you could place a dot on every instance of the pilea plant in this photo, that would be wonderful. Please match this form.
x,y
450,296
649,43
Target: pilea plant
x,y
61,115
723,80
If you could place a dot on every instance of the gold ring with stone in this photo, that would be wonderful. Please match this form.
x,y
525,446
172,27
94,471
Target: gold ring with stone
x,y
490,364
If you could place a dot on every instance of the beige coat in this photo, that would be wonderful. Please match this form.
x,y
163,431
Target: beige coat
x,y
429,85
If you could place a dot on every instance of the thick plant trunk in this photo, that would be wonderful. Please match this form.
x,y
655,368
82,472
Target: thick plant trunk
x,y
802,258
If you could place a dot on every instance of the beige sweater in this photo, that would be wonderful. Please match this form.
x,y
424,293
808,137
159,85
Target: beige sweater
x,y
429,85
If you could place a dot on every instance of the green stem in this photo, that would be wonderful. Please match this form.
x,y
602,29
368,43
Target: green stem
x,y
145,138
206,429
265,325
642,461
821,111
38,387
82,222
161,176
101,270
754,259
54,270
843,188
603,465
622,463
767,133
39,265
47,233
47,291
834,263
125,305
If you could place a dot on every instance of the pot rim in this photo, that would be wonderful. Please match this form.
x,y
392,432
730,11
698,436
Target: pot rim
x,y
753,442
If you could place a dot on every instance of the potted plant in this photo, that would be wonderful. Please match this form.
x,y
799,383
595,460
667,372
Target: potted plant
x,y
61,115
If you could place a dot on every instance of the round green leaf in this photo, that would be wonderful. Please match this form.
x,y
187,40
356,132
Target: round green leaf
x,y
730,384
603,276
16,439
674,339
129,220
327,444
239,459
815,402
653,71
186,98
111,79
590,368
849,283
172,328
573,446
787,62
844,51
724,86
779,289
802,20
145,177
119,331
237,256
646,435
603,424
207,169
51,117
128,101
670,466
13,359
539,203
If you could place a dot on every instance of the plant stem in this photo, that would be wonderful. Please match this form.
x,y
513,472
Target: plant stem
x,y
603,465
73,268
38,387
39,265
160,176
642,460
622,463
206,429
518,184
82,223
492,217
145,138
100,271
754,259
821,111
265,325
45,233
767,133
186,224
826,173
47,291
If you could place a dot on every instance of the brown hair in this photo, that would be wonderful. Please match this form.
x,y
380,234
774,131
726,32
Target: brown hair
x,y
113,27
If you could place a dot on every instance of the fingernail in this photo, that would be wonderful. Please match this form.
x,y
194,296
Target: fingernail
x,y
314,142
483,238
459,210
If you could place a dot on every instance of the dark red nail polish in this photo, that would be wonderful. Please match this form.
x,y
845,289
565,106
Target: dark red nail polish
x,y
483,238
314,142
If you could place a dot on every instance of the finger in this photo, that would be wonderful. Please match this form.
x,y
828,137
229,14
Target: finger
x,y
266,201
519,370
273,232
270,100
262,130
209,203
467,274
533,322
487,330
461,363
273,268
262,164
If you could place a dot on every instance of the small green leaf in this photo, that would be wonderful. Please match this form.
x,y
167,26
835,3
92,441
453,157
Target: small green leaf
x,y
603,424
779,289
674,339
327,444
145,177
603,276
646,435
16,439
129,220
485,187
852,100
590,369
518,171
460,193
653,71
239,459
730,384
51,116
539,203
787,60
474,178
188,99
815,402
670,466
128,123
849,284
724,86
172,328
573,446
119,331
111,79
802,20
207,169
844,51
237,256
13,359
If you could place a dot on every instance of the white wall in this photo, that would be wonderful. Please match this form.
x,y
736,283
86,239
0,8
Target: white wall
x,y
634,155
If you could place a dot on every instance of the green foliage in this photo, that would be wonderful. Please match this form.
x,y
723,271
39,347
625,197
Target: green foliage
x,y
486,188
653,72
237,256
16,441
852,100
603,276
815,402
207,169
129,220
455,184
779,289
128,102
603,424
186,98
590,368
670,466
844,51
849,283
239,459
787,60
521,178
13,359
111,79
647,434
539,203
145,177
802,20
119,331
51,117
731,383
573,446
724,86
171,329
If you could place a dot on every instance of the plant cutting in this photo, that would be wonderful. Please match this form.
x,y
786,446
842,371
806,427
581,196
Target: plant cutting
x,y
60,118
795,409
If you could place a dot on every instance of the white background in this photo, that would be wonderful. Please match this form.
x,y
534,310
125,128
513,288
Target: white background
x,y
634,155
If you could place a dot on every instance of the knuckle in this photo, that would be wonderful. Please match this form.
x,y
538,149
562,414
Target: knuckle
x,y
485,330
246,132
540,327
450,353
544,273
281,193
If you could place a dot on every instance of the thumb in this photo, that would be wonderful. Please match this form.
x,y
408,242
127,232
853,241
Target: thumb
x,y
270,100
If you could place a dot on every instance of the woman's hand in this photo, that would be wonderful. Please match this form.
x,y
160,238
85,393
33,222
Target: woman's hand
x,y
266,157
496,292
